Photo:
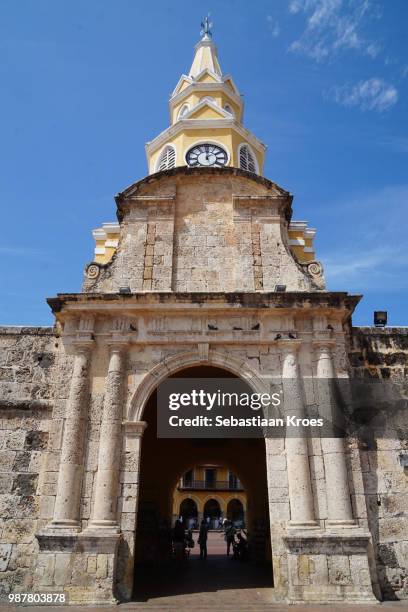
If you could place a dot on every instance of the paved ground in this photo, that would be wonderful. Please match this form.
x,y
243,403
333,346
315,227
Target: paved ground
x,y
197,581
218,584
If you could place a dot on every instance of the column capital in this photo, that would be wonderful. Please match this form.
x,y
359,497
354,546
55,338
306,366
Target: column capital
x,y
135,428
324,343
82,345
117,344
289,345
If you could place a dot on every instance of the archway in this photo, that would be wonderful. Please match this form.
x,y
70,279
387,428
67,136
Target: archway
x,y
163,463
212,513
189,512
235,513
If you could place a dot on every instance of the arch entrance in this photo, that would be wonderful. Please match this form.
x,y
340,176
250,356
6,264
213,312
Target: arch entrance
x,y
163,463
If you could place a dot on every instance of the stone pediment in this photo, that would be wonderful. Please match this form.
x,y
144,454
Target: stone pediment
x,y
204,229
150,182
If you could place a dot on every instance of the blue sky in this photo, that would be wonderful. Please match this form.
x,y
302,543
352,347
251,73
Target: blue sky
x,y
325,84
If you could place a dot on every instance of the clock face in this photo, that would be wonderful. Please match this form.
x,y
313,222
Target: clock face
x,y
206,155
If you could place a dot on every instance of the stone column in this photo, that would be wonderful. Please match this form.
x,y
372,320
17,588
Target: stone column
x,y
297,455
337,489
67,502
110,444
133,431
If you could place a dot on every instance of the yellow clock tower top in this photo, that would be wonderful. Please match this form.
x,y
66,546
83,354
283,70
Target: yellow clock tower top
x,y
206,120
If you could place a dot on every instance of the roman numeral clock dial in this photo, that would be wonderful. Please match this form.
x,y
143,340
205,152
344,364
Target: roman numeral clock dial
x,y
206,155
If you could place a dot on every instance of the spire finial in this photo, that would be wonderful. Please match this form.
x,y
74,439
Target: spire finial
x,y
206,26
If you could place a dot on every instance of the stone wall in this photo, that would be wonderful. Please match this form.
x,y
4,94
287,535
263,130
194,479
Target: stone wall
x,y
203,230
381,491
27,374
34,383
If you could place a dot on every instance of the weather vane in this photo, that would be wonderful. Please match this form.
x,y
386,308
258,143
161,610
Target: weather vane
x,y
206,26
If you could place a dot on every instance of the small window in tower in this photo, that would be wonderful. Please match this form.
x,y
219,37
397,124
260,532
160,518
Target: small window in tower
x,y
229,110
167,159
183,111
246,159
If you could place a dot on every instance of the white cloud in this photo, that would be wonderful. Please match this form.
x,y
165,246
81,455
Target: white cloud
x,y
372,94
332,26
273,25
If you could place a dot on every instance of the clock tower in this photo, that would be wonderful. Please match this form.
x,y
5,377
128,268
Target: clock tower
x,y
206,274
206,120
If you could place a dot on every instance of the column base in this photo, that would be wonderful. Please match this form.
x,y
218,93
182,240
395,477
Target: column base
x,y
342,523
67,525
98,526
303,525
346,523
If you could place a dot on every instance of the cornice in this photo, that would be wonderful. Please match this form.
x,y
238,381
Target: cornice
x,y
205,124
202,302
179,171
221,86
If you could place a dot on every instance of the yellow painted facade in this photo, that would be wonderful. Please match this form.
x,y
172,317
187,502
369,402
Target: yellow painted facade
x,y
221,492
205,108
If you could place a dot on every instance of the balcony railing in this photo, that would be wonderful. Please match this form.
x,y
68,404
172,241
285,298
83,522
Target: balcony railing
x,y
217,485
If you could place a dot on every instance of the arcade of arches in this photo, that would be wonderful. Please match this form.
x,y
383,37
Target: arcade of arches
x,y
213,511
210,492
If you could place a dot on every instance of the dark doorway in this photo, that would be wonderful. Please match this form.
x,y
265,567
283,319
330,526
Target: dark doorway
x,y
212,513
189,513
235,513
163,460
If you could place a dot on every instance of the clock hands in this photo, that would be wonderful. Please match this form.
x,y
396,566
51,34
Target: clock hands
x,y
206,154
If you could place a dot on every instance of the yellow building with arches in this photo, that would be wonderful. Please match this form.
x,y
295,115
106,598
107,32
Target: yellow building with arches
x,y
210,492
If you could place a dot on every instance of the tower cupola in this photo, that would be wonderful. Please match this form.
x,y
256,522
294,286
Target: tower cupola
x,y
206,119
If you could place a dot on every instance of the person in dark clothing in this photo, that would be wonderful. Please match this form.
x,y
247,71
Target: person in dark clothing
x,y
202,539
178,539
240,547
229,535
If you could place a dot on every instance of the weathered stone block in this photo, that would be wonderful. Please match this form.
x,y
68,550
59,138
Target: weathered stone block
x,y
339,570
5,554
63,569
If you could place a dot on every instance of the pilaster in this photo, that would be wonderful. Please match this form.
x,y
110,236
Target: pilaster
x,y
337,489
66,511
300,490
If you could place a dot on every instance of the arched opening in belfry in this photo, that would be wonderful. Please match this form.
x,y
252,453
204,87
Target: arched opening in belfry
x,y
170,465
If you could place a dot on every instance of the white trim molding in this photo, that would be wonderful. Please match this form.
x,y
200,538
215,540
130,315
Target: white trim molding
x,y
207,124
211,103
201,87
182,113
